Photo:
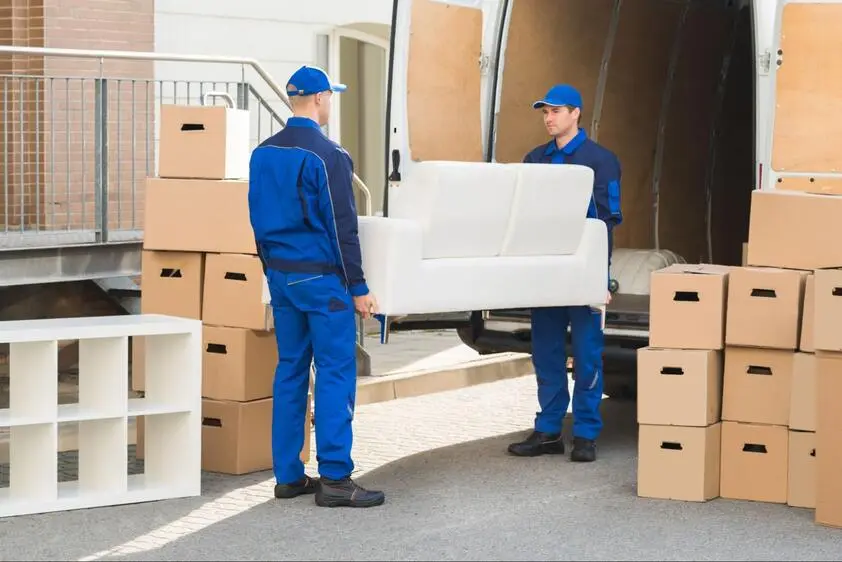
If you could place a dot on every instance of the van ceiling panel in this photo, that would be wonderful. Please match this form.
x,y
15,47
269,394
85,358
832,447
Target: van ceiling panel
x,y
809,82
443,82
549,41
637,79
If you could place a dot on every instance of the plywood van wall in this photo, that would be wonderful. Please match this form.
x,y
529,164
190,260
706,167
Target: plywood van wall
x,y
664,51
443,84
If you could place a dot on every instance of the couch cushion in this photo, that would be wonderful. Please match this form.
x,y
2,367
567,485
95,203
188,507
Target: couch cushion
x,y
463,207
549,209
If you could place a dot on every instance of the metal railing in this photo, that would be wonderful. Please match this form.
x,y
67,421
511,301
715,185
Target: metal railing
x,y
76,151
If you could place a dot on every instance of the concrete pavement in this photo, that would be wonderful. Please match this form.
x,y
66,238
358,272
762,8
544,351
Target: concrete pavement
x,y
453,494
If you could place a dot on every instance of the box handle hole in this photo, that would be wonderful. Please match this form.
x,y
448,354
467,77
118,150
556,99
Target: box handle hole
x,y
192,127
812,452
686,296
764,293
232,276
212,422
672,371
170,272
759,370
217,348
754,448
671,446
837,291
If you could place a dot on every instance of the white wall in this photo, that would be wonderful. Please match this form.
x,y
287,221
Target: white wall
x,y
280,34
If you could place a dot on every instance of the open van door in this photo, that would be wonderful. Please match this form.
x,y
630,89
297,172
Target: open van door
x,y
436,90
807,106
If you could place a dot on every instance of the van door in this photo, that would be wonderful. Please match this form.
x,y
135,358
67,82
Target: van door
x,y
436,83
807,106
440,73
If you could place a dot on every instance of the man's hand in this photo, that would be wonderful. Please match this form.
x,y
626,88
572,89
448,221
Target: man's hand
x,y
366,305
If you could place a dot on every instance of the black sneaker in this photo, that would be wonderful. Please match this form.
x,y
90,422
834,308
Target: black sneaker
x,y
304,486
346,493
584,450
538,444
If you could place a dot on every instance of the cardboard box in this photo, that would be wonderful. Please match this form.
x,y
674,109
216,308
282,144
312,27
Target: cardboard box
x,y
802,405
237,436
678,463
206,142
758,385
233,293
755,462
802,469
764,307
687,306
172,283
198,216
808,315
827,320
679,387
792,230
238,365
828,439
138,363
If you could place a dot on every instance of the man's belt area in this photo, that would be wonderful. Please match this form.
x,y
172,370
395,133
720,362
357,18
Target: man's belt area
x,y
288,266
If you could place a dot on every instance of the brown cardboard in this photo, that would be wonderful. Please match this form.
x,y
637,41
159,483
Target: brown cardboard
x,y
687,306
827,310
802,469
744,258
172,283
678,463
238,365
233,292
802,405
209,142
828,439
808,315
237,436
198,216
758,385
138,364
792,230
764,307
679,387
755,462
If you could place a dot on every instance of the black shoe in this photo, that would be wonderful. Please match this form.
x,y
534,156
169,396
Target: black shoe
x,y
346,493
538,444
584,450
306,485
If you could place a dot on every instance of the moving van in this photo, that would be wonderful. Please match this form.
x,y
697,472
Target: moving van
x,y
702,101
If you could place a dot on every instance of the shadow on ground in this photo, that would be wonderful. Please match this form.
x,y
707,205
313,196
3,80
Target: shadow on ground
x,y
474,502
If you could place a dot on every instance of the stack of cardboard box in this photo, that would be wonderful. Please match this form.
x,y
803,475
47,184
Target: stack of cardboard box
x,y
780,374
799,230
679,392
199,261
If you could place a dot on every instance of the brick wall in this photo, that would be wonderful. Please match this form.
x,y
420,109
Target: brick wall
x,y
58,186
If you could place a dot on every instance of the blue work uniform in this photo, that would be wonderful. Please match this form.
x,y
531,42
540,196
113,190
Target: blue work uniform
x,y
549,325
302,210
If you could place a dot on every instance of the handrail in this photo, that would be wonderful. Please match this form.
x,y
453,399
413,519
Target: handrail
x,y
171,57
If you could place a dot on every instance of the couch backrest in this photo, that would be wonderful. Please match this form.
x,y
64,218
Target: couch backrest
x,y
549,210
463,207
478,209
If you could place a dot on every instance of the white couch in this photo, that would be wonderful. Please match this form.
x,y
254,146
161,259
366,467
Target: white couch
x,y
479,236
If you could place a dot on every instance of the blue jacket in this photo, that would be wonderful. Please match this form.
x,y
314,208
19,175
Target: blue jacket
x,y
301,205
605,203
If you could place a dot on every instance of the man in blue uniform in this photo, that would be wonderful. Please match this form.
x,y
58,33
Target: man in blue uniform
x,y
302,210
570,145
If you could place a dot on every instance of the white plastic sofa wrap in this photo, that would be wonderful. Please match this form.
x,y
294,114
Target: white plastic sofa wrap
x,y
478,236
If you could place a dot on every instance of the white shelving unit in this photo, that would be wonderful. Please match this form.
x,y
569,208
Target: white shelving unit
x,y
172,407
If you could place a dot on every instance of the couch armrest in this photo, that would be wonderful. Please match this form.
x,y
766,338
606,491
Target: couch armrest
x,y
391,253
593,249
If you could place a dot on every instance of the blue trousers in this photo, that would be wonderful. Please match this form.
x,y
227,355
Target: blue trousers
x,y
314,321
549,357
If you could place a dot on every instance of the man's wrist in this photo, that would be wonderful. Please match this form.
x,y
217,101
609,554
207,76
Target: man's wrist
x,y
359,290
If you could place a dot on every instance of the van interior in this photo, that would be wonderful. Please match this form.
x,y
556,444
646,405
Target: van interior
x,y
669,87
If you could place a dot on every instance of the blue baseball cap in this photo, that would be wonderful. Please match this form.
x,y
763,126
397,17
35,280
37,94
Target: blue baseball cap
x,y
560,95
309,80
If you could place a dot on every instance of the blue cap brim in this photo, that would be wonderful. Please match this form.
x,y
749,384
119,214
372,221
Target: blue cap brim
x,y
541,103
338,88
